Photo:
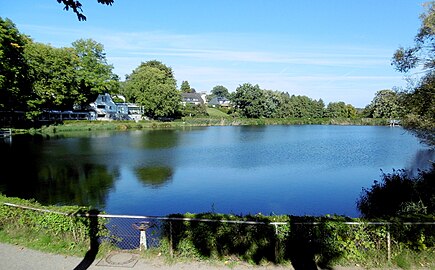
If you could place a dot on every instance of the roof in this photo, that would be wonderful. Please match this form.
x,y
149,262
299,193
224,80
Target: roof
x,y
192,97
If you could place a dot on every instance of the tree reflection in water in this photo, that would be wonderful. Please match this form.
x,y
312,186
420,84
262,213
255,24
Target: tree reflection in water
x,y
154,176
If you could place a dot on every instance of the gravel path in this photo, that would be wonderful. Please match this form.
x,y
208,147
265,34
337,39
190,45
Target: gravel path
x,y
15,257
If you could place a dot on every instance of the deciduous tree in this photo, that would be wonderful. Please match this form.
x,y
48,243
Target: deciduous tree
x,y
15,87
185,87
250,101
385,104
149,85
53,75
94,74
418,102
220,91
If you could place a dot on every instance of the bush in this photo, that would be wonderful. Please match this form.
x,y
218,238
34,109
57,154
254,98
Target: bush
x,y
58,224
399,194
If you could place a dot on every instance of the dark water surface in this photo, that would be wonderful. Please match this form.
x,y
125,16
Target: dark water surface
x,y
313,170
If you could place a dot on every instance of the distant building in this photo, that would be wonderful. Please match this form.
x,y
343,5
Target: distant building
x,y
192,98
107,109
104,106
219,101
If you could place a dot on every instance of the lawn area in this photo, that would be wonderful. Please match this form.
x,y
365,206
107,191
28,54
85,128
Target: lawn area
x,y
213,112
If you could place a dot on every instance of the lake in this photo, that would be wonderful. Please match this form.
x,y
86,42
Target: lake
x,y
298,170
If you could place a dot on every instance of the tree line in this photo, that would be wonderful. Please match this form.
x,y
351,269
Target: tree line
x,y
36,77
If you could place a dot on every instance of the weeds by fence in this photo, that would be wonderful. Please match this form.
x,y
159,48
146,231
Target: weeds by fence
x,y
256,239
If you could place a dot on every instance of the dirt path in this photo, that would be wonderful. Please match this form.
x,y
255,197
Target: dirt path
x,y
14,257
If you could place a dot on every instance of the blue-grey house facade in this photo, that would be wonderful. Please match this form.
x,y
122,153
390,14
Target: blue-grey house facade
x,y
107,109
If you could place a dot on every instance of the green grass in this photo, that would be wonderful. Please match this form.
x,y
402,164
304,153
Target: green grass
x,y
47,232
213,112
216,118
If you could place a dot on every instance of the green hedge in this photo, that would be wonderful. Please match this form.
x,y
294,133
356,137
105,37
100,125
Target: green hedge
x,y
59,229
305,240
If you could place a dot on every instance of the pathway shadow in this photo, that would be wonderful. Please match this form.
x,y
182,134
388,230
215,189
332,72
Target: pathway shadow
x,y
312,247
91,254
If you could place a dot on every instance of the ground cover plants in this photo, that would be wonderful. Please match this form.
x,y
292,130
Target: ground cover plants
x,y
302,241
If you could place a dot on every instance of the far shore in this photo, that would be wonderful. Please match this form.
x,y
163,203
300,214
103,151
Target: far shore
x,y
96,125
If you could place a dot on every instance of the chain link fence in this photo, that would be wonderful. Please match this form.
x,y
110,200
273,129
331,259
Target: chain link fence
x,y
275,239
125,231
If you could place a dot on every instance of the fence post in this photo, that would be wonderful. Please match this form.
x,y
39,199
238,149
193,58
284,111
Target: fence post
x,y
388,244
171,249
276,243
142,227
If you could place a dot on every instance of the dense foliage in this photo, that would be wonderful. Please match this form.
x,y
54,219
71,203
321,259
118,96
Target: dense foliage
x,y
399,194
58,227
253,102
15,87
220,91
185,87
153,86
35,77
52,72
306,242
418,102
385,104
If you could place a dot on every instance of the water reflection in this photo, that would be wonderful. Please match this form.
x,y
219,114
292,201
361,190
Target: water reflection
x,y
78,184
280,169
52,174
421,162
154,176
158,139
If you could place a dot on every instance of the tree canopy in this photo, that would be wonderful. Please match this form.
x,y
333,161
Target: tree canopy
x,y
14,84
153,86
35,77
220,91
251,101
52,71
185,87
94,74
66,77
385,104
418,102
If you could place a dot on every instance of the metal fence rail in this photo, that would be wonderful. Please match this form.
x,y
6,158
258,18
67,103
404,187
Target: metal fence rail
x,y
131,232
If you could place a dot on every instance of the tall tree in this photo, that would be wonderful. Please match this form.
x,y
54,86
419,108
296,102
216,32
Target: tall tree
x,y
149,85
340,110
220,91
53,74
185,87
385,104
169,74
94,74
419,100
252,102
15,87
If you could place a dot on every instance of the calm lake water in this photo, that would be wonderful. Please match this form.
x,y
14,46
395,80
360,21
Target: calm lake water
x,y
312,170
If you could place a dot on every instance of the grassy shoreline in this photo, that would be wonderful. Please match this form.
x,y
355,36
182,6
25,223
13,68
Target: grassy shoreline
x,y
82,126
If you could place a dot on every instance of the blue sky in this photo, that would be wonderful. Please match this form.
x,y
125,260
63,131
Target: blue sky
x,y
337,50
